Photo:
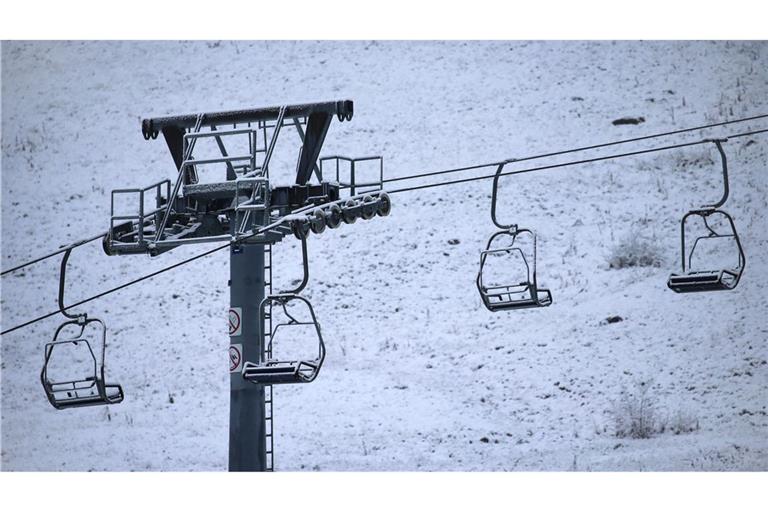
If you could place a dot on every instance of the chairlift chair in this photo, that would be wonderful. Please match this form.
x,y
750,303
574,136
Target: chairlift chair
x,y
286,371
725,278
708,280
523,294
270,370
516,295
88,390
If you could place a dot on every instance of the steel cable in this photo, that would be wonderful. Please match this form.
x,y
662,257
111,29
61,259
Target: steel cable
x,y
408,189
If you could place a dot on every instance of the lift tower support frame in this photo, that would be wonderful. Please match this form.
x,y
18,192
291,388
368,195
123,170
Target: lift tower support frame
x,y
205,213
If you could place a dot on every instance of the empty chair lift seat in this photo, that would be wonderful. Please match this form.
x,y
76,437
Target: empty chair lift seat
x,y
271,370
688,280
281,372
724,278
704,281
524,294
88,390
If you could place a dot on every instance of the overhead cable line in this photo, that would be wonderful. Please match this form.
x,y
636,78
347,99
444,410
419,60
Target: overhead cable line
x,y
59,251
579,149
566,164
408,189
458,169
147,276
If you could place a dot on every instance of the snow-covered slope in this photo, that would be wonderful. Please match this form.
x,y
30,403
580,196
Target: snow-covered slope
x,y
419,376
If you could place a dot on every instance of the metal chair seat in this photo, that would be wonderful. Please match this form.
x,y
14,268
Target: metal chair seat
x,y
500,298
83,393
703,281
281,372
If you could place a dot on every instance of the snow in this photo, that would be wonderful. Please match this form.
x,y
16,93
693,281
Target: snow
x,y
418,375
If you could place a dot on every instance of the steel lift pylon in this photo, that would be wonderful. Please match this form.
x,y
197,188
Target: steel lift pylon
x,y
235,206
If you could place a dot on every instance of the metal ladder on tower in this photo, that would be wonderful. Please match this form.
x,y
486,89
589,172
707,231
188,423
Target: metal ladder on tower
x,y
269,409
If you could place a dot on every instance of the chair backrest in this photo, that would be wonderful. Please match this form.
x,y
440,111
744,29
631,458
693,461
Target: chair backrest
x,y
513,247
710,233
292,320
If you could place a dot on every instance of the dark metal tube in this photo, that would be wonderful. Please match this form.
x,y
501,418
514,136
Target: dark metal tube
x,y
150,126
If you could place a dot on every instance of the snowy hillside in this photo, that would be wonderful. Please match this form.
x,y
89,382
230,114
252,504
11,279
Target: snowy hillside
x,y
418,376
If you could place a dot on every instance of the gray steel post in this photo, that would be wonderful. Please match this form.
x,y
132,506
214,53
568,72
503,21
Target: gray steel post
x,y
247,436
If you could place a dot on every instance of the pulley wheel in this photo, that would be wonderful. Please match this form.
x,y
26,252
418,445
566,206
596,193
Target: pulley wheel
x,y
368,210
106,244
317,224
333,216
348,214
385,205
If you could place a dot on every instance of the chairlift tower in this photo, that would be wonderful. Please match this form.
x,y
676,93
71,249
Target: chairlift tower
x,y
247,211
248,215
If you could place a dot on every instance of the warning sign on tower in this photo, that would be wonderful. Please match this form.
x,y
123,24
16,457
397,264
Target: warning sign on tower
x,y
235,358
235,321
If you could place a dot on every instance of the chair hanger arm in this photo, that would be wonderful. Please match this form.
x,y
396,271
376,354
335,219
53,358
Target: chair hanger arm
x,y
724,160
62,281
305,263
495,193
